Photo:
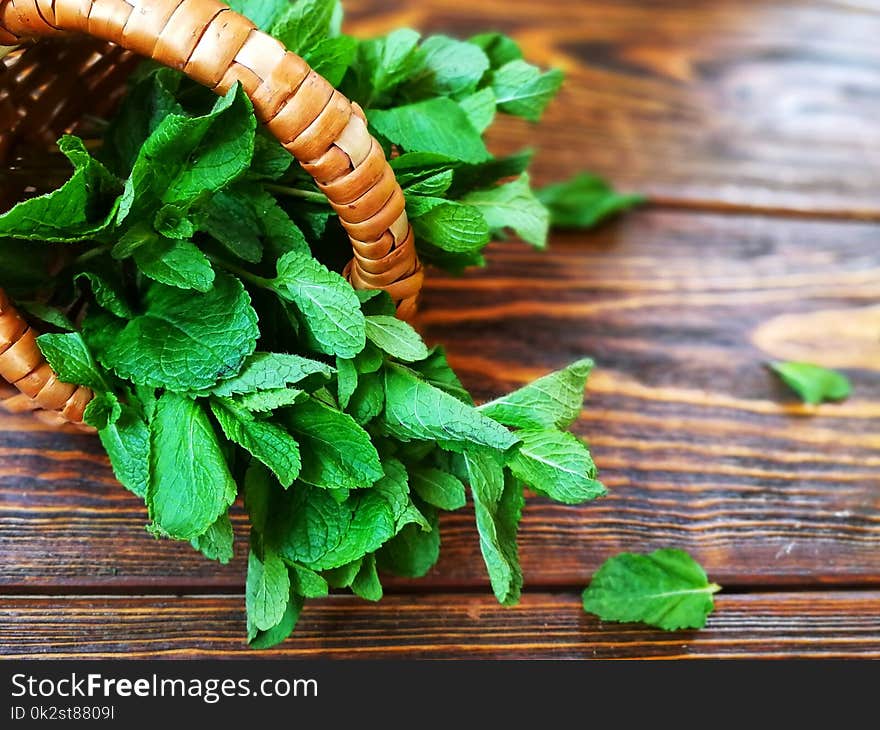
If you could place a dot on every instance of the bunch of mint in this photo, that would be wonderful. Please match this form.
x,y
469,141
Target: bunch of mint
x,y
187,272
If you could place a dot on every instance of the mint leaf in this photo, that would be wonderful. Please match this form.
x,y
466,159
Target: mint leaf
x,y
448,68
812,383
267,591
500,49
524,90
71,360
331,57
330,309
584,201
498,503
107,289
302,25
480,108
346,380
552,401
396,337
278,633
269,443
217,542
270,371
368,398
382,64
309,524
307,582
366,583
266,401
262,12
190,485
175,263
81,209
448,224
436,125
515,206
438,488
667,589
186,341
127,442
336,452
412,552
436,371
415,409
557,464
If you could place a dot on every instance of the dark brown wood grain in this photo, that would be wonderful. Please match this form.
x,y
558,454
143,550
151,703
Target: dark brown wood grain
x,y
700,445
545,626
729,103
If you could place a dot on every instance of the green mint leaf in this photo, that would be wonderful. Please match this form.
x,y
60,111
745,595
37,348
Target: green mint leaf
x,y
415,409
498,504
104,410
263,13
232,219
366,583
176,263
667,589
309,524
448,68
269,443
448,224
812,383
524,90
480,108
436,125
48,314
412,552
71,360
515,206
438,488
346,380
468,178
500,49
173,221
126,440
81,209
271,371
396,337
270,160
432,186
186,341
267,401
368,398
344,575
552,401
186,157
107,289
382,64
557,464
330,309
436,370
336,451
268,590
190,485
584,201
302,25
266,639
217,543
307,582
331,57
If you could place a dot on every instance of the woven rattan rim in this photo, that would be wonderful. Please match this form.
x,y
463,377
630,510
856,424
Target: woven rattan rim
x,y
322,129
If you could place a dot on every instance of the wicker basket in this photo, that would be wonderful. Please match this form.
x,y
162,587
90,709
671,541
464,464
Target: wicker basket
x,y
86,49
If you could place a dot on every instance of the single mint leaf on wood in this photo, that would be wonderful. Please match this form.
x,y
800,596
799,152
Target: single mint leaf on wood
x,y
584,201
366,583
81,209
556,464
271,371
413,551
71,360
448,67
448,224
523,90
186,158
436,125
812,383
396,337
283,629
176,263
415,409
515,206
269,443
552,401
667,589
498,503
190,485
267,591
217,543
126,440
438,488
330,309
336,451
186,341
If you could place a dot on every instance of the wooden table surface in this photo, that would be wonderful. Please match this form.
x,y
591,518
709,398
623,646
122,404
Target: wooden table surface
x,y
753,127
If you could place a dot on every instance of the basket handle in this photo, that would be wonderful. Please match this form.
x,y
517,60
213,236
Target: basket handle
x,y
322,129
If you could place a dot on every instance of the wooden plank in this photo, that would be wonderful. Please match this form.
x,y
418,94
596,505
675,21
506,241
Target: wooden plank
x,y
545,626
700,445
720,104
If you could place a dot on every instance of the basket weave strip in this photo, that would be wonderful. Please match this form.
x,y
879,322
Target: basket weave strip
x,y
216,47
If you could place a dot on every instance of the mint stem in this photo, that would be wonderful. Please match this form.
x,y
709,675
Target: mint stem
x,y
309,195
